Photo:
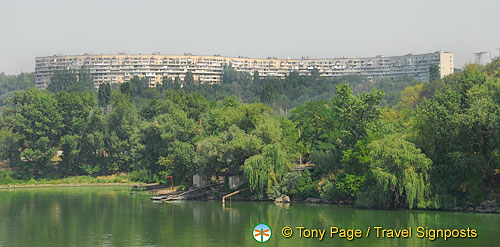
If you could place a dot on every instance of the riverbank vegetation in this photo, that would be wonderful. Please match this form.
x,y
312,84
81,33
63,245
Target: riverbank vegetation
x,y
390,143
6,179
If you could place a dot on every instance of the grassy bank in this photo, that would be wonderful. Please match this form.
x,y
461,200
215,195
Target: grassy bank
x,y
6,179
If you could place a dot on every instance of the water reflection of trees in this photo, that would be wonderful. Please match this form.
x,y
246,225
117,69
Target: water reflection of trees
x,y
70,217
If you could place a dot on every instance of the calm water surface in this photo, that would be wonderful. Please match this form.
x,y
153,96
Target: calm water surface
x,y
88,216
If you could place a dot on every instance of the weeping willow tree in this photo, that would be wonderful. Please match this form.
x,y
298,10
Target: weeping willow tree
x,y
266,172
398,175
256,170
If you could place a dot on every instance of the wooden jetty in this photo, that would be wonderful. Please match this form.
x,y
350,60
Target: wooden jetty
x,y
188,195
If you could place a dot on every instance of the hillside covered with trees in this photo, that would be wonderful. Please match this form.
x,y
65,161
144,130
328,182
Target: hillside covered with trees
x,y
282,95
391,143
11,83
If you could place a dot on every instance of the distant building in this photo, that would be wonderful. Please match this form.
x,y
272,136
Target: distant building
x,y
118,68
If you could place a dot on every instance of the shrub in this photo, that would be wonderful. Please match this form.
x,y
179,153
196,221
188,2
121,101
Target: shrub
x,y
305,187
5,177
343,187
143,176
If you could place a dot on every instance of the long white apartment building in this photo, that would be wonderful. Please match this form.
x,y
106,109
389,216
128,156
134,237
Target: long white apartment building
x,y
118,68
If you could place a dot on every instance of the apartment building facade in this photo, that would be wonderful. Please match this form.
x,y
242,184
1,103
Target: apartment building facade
x,y
119,68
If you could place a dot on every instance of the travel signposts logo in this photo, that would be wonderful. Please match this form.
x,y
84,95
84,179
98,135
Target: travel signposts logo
x,y
261,233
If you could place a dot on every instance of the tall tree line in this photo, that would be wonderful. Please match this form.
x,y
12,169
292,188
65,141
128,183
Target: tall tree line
x,y
435,147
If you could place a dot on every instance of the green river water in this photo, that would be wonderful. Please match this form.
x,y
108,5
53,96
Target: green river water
x,y
111,216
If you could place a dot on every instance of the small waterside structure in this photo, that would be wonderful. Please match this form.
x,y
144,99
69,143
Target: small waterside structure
x,y
203,187
188,195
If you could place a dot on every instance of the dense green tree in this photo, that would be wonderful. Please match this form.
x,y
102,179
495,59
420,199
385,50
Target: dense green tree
x,y
354,113
256,76
312,124
230,76
169,83
458,130
61,80
104,94
180,162
70,80
266,93
125,88
189,78
138,85
92,159
227,151
315,73
335,127
75,112
434,73
36,126
122,124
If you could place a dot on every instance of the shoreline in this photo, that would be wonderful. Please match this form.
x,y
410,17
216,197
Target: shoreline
x,y
352,206
26,186
65,185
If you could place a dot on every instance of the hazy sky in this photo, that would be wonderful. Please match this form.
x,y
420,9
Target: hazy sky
x,y
254,28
